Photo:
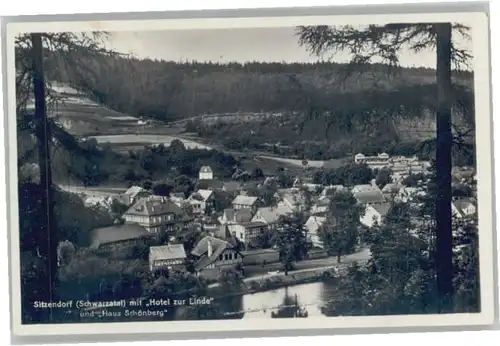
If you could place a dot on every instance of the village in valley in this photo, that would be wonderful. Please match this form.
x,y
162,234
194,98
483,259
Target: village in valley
x,y
246,186
200,234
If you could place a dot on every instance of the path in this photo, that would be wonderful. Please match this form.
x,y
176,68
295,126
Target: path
x,y
316,265
99,191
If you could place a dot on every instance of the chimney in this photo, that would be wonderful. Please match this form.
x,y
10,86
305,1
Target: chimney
x,y
209,251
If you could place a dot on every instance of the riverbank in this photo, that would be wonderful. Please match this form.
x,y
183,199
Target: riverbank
x,y
258,285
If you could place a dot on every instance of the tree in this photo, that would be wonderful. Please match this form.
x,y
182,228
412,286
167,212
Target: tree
x,y
257,173
414,180
291,241
340,231
230,280
307,197
222,200
177,146
385,41
118,208
383,177
32,51
48,222
396,252
147,184
162,189
65,251
290,308
265,240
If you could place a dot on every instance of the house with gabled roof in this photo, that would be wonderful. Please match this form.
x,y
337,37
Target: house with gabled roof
x,y
178,198
206,173
213,255
464,207
368,194
245,202
158,214
223,232
133,194
248,232
391,190
374,214
271,215
201,200
293,199
230,216
210,184
170,257
117,237
313,225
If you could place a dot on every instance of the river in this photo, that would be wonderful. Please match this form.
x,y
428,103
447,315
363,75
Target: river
x,y
309,296
282,302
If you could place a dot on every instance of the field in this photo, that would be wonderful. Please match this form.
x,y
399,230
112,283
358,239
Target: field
x,y
126,142
84,118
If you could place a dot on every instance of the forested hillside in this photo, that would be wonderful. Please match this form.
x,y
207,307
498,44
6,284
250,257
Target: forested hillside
x,y
168,90
313,108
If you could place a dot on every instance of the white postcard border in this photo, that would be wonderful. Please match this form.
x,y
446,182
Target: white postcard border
x,y
481,65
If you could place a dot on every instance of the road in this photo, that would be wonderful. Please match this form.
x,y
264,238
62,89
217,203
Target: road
x,y
252,271
255,272
99,191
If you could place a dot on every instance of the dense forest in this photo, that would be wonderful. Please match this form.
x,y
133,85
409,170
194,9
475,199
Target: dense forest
x,y
169,91
308,110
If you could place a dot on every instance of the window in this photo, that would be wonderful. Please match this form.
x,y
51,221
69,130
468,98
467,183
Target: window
x,y
220,257
226,257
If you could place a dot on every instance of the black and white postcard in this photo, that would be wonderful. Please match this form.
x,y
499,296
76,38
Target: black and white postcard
x,y
260,173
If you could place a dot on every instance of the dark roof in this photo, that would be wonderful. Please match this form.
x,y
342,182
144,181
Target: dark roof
x,y
462,203
392,188
201,251
117,233
368,194
238,215
207,184
273,214
232,186
224,234
253,224
382,208
154,206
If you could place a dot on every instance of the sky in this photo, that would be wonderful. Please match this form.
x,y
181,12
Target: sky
x,y
235,45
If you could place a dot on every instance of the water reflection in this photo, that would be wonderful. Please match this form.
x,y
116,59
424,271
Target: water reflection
x,y
290,308
295,301
281,302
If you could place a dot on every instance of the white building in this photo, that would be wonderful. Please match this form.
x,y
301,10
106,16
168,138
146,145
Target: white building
x,y
244,202
313,225
378,161
200,200
206,173
171,257
374,214
271,215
